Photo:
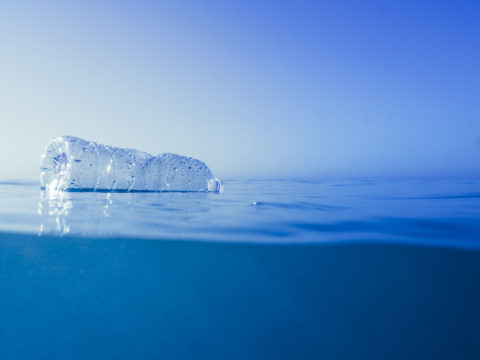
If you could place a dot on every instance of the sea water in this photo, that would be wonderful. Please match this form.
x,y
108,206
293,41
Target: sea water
x,y
332,269
423,212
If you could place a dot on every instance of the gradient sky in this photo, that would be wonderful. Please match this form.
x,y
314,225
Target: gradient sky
x,y
253,88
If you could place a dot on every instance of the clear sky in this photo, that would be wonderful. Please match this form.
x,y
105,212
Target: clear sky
x,y
253,88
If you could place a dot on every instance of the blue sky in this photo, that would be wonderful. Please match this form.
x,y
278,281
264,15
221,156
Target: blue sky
x,y
253,88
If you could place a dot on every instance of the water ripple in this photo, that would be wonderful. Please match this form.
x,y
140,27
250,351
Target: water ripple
x,y
258,211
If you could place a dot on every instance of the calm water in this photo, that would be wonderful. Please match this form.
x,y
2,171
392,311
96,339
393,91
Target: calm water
x,y
425,212
370,269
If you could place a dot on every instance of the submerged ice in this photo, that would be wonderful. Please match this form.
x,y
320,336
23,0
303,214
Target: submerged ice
x,y
71,163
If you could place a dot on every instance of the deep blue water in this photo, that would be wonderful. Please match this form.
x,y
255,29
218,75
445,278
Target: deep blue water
x,y
357,269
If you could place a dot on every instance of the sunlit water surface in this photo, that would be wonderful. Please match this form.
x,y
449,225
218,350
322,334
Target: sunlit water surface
x,y
425,212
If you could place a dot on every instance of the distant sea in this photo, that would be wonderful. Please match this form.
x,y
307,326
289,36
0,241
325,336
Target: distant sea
x,y
278,269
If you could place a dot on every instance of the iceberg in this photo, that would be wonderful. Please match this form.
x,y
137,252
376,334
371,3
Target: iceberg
x,y
70,163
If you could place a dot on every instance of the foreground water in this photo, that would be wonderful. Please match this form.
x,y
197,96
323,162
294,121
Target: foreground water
x,y
377,269
424,212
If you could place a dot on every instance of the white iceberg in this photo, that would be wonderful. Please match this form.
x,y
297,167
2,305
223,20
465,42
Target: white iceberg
x,y
71,163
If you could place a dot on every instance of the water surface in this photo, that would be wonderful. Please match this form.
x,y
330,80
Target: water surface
x,y
419,211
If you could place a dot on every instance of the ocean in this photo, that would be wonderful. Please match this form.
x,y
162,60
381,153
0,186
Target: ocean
x,y
268,269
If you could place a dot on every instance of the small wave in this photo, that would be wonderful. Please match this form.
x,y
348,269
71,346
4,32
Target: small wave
x,y
297,206
461,229
473,195
19,182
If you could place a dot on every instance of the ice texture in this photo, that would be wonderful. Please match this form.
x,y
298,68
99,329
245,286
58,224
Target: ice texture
x,y
71,163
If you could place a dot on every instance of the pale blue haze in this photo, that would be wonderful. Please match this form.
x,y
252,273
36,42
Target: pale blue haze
x,y
254,88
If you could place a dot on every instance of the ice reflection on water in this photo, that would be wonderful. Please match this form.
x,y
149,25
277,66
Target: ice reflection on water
x,y
55,209
139,214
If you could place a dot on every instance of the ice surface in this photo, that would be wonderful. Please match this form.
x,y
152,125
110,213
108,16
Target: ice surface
x,y
71,163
